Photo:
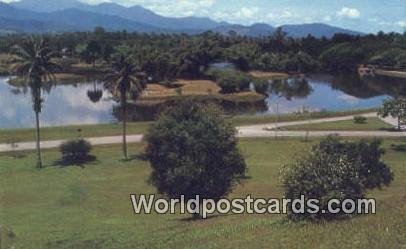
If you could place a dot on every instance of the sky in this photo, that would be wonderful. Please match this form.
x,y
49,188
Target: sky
x,y
360,15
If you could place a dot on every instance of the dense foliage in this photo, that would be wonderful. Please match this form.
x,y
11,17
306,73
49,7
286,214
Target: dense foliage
x,y
231,80
165,56
395,108
193,151
76,152
335,169
360,119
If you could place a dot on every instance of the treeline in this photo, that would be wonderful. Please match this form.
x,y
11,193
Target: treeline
x,y
165,56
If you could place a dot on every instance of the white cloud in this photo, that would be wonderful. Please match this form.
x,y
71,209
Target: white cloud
x,y
327,18
247,12
402,24
351,13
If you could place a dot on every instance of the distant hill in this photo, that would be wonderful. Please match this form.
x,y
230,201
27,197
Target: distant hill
x,y
140,14
255,30
48,5
38,16
301,30
21,20
315,29
135,13
84,20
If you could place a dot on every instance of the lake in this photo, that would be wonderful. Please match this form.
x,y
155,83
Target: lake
x,y
82,103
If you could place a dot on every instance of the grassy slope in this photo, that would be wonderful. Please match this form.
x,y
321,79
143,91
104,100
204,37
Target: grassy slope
x,y
372,124
90,208
51,133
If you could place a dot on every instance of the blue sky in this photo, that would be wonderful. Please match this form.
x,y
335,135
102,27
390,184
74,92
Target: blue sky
x,y
362,15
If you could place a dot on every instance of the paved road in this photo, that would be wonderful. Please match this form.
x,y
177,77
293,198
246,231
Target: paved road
x,y
254,131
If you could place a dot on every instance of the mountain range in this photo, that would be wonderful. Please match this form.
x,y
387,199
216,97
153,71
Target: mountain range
x,y
40,16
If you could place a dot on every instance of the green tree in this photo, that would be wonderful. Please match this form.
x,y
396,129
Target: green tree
x,y
230,80
123,79
33,62
193,151
396,108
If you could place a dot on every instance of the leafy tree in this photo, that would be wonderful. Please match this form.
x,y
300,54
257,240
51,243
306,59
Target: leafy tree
x,y
394,57
124,79
336,169
322,176
372,172
93,52
396,108
193,151
230,80
33,62
342,57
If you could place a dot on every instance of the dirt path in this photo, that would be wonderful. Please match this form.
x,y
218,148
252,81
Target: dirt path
x,y
254,131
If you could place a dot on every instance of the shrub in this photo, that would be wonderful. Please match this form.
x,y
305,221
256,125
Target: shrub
x,y
230,80
396,108
335,169
360,120
76,152
322,176
262,86
373,172
193,151
393,57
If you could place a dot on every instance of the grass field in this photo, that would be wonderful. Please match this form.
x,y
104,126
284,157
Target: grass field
x,y
75,131
64,132
90,207
372,124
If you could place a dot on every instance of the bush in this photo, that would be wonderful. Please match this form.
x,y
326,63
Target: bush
x,y
335,169
231,80
76,152
360,120
262,86
373,172
342,57
193,151
394,57
322,176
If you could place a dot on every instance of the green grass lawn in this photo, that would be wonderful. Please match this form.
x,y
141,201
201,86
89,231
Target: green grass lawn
x,y
66,132
372,124
90,207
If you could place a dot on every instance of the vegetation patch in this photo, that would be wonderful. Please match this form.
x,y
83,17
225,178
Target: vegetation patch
x,y
76,152
370,124
104,214
336,170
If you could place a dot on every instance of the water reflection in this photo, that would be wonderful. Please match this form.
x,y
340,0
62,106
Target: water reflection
x,y
63,105
89,102
95,94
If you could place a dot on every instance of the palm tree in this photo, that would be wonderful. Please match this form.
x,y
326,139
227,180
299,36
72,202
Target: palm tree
x,y
32,61
124,79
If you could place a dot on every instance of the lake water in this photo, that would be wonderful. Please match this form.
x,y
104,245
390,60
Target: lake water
x,y
70,104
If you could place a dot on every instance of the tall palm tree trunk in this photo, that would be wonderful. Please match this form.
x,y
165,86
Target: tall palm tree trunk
x,y
124,103
38,139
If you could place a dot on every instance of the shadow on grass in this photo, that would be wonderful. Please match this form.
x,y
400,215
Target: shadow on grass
x,y
140,157
200,219
77,162
398,147
391,129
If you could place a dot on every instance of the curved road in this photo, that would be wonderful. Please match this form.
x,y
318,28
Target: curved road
x,y
250,131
